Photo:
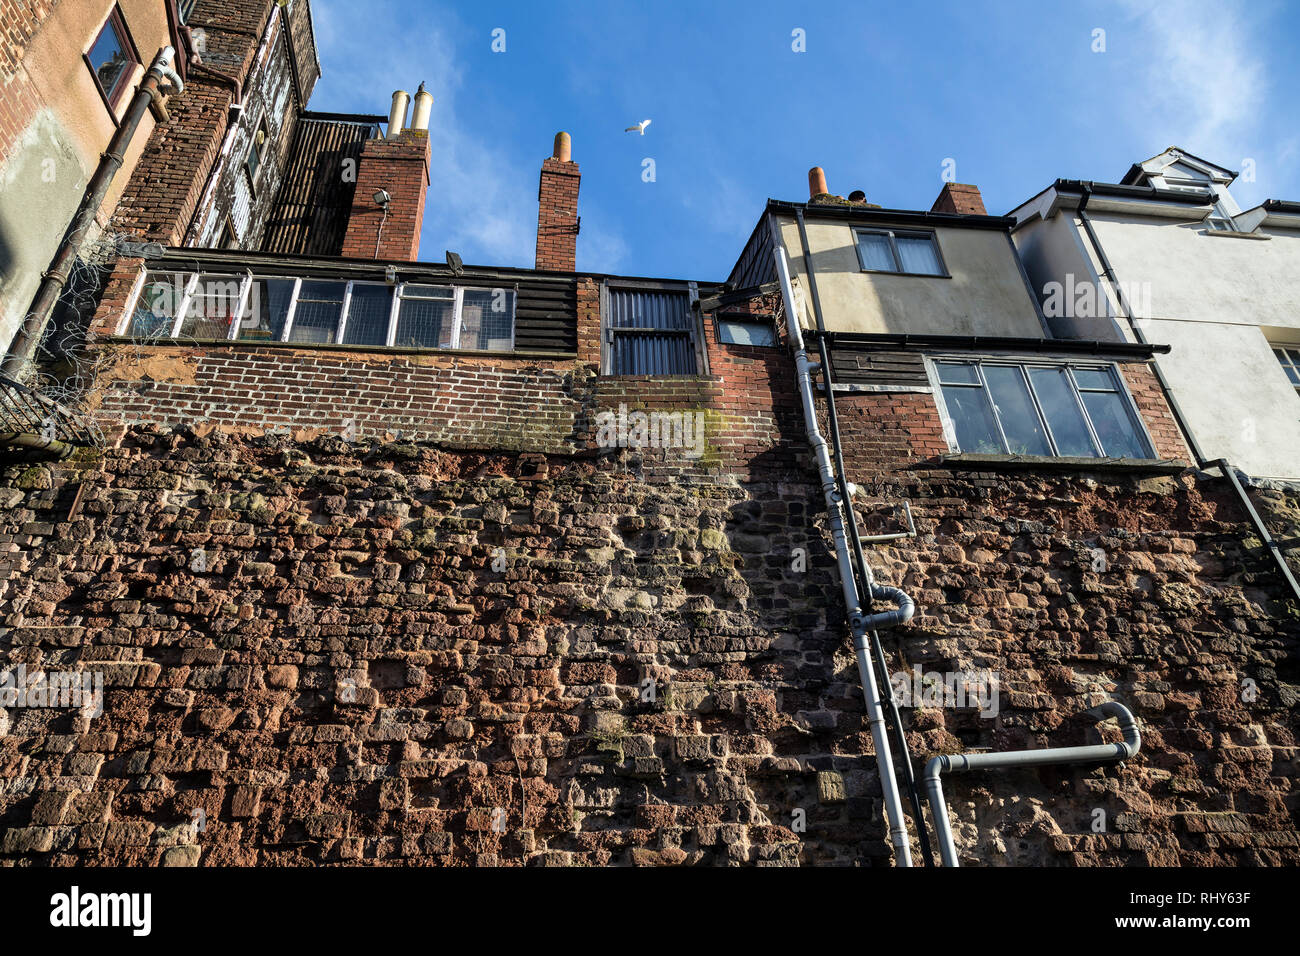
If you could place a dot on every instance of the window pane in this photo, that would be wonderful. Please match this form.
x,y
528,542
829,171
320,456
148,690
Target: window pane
x,y
640,353
1288,359
918,254
1094,378
957,373
108,58
487,319
368,313
268,306
212,308
875,252
741,332
972,420
1064,417
1016,411
1114,425
155,310
317,317
424,317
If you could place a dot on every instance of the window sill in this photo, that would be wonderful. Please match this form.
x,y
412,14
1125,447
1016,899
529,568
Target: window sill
x,y
332,347
1229,234
913,275
1041,463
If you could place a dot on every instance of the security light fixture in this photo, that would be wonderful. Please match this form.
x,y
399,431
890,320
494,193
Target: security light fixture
x,y
382,198
455,263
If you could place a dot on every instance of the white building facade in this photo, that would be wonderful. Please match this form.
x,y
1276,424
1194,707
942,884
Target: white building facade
x,y
1167,256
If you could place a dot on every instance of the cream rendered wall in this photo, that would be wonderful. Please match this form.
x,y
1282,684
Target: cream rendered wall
x,y
45,173
986,294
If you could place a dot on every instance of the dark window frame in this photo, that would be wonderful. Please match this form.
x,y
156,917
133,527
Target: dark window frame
x,y
893,234
693,330
117,23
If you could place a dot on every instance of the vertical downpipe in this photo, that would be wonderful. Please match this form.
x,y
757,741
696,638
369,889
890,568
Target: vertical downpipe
x,y
858,622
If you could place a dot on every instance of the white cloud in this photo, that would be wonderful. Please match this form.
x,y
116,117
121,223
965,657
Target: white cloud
x,y
1203,85
482,202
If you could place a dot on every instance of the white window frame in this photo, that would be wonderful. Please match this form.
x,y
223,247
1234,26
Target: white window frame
x,y
892,235
397,293
979,361
1290,358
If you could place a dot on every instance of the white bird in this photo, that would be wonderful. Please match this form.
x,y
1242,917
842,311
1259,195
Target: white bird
x,y
638,128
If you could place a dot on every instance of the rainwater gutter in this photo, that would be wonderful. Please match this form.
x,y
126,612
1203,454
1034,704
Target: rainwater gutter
x,y
961,763
860,622
1224,466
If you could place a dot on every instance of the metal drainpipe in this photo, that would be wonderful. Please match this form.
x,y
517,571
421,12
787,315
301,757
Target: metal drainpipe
x,y
959,763
1224,466
859,622
24,345
866,577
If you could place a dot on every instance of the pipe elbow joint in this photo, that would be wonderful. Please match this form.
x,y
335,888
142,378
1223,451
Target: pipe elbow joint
x,y
1128,725
895,618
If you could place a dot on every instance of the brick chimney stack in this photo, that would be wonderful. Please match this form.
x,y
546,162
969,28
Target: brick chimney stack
x,y
557,209
399,165
960,198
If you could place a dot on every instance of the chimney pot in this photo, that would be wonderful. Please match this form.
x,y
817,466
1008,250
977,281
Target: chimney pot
x,y
423,106
563,150
397,114
817,182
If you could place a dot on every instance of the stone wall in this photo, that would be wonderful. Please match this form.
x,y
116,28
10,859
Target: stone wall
x,y
393,653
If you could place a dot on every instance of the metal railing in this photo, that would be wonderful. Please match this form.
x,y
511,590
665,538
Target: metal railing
x,y
31,420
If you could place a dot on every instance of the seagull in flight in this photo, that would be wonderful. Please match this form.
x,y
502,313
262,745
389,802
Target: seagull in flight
x,y
638,128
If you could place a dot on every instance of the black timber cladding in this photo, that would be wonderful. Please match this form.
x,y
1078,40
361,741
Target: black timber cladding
x,y
310,214
898,369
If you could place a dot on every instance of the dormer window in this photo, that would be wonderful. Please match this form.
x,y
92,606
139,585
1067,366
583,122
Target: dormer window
x,y
1220,219
900,251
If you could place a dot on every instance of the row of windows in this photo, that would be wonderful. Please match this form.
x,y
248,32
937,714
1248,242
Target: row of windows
x,y
1007,408
322,311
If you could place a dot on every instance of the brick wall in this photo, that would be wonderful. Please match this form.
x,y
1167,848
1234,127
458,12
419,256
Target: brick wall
x,y
400,166
557,215
396,655
959,198
169,180
19,100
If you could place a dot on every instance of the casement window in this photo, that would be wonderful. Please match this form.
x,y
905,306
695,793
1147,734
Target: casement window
x,y
650,332
1290,359
901,251
1006,408
746,330
256,152
112,59
321,312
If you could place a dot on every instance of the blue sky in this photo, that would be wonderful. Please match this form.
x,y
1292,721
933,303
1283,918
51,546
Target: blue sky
x,y
1012,92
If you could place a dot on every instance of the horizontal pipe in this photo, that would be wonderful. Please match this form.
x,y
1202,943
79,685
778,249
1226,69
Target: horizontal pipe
x,y
961,763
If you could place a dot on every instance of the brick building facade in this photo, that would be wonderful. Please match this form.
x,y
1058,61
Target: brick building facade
x,y
373,571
